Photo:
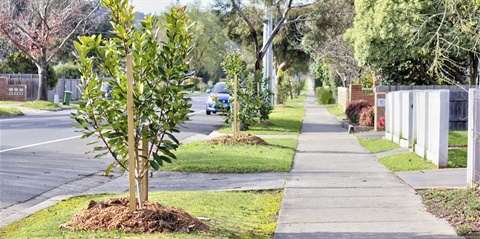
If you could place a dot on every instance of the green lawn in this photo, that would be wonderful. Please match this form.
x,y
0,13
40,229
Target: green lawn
x,y
202,157
10,111
457,138
336,110
283,120
457,158
406,162
40,104
377,145
232,214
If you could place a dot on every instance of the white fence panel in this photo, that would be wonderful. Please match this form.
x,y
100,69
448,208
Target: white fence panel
x,y
406,139
473,157
389,116
438,111
421,122
420,118
397,116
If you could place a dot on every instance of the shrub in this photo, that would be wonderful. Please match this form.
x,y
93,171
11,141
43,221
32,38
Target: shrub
x,y
367,116
68,70
381,123
324,95
354,109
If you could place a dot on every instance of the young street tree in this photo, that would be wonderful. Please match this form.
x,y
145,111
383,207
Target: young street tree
x,y
39,28
159,92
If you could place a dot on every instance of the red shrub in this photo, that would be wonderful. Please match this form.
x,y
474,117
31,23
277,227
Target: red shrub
x,y
367,116
354,109
381,123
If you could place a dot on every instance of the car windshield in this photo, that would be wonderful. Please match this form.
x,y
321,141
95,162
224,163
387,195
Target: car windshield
x,y
220,88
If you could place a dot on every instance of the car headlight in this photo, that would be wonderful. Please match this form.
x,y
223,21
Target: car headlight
x,y
210,100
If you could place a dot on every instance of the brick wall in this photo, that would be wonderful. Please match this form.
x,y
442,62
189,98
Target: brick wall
x,y
12,92
379,109
356,93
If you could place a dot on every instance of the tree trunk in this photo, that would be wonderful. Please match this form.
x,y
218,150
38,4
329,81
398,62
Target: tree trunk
x,y
42,81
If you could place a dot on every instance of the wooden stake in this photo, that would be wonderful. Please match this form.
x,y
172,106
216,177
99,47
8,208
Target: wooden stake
x,y
235,107
131,140
145,165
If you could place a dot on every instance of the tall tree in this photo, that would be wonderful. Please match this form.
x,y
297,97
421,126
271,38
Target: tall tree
x,y
254,23
40,28
452,31
386,39
323,39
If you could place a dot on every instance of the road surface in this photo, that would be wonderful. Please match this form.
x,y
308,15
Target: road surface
x,y
41,156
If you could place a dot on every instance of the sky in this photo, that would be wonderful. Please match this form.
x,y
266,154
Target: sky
x,y
157,6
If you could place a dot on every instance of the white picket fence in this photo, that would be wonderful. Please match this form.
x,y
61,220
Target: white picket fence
x,y
419,120
473,158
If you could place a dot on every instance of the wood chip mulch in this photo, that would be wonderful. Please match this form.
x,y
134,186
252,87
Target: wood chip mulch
x,y
113,214
241,139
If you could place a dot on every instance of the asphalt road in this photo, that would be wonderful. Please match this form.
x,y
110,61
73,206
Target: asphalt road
x,y
41,156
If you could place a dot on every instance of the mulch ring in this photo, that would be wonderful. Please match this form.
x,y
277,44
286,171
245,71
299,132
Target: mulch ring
x,y
114,214
241,139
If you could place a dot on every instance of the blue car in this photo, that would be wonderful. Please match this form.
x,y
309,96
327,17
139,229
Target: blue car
x,y
222,94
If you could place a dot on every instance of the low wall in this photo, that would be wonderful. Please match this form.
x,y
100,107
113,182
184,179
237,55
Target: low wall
x,y
343,97
12,92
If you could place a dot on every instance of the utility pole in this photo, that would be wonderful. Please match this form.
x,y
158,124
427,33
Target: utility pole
x,y
268,57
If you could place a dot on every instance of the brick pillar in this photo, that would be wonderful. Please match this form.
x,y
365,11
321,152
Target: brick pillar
x,y
379,109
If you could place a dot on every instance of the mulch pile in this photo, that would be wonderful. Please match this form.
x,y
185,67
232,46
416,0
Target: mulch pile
x,y
241,139
113,214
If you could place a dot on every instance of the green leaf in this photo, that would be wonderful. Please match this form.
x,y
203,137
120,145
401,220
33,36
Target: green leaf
x,y
109,168
158,158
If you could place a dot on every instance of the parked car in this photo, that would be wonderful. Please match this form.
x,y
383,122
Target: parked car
x,y
222,94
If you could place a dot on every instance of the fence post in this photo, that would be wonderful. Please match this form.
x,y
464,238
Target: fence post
x,y
397,116
438,118
389,116
421,121
473,156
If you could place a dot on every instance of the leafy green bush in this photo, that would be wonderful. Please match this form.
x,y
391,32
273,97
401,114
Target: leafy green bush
x,y
19,63
324,96
354,109
68,70
367,116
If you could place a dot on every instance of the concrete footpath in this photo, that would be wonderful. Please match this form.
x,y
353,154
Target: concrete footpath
x,y
337,189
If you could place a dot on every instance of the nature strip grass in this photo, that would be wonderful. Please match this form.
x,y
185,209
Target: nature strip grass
x,y
336,110
10,111
460,207
406,162
377,145
283,120
40,104
237,214
203,157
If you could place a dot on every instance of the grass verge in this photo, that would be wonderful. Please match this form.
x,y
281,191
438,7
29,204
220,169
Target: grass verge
x,y
406,162
460,207
233,215
283,120
336,110
10,111
377,145
41,105
202,157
